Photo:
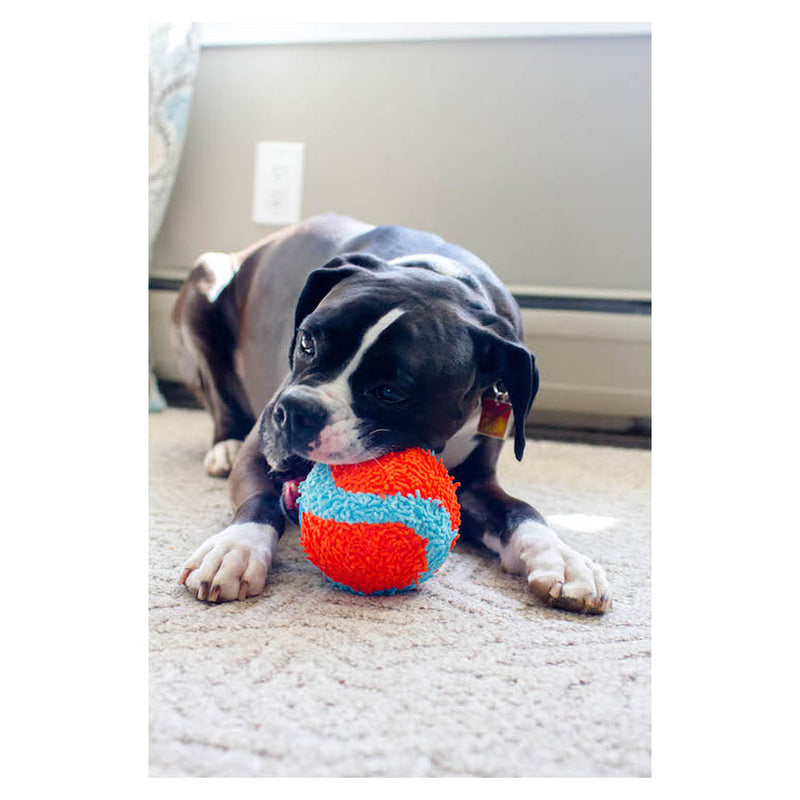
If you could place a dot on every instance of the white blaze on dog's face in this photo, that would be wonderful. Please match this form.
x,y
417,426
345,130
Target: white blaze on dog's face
x,y
339,441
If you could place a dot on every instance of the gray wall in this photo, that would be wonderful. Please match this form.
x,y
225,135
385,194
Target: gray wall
x,y
533,153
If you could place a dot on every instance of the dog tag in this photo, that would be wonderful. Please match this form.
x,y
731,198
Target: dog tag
x,y
494,418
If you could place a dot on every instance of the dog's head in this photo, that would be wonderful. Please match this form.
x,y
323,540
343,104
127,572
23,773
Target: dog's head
x,y
385,358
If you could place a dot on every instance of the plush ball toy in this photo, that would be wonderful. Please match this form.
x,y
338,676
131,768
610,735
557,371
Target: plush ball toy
x,y
381,526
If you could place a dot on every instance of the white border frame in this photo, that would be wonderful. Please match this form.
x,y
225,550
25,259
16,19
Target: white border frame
x,y
226,34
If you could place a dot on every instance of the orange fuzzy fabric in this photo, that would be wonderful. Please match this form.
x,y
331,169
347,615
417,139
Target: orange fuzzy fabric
x,y
346,553
380,526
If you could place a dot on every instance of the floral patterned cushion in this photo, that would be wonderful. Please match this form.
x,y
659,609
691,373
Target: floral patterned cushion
x,y
174,55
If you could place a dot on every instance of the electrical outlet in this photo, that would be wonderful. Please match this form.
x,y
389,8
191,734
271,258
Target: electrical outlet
x,y
278,184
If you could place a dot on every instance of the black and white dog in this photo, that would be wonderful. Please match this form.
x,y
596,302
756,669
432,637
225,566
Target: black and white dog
x,y
358,340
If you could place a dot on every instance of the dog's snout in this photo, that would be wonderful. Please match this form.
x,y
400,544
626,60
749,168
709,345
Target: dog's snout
x,y
300,416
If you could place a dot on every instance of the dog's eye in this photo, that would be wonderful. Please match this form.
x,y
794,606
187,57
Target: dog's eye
x,y
388,395
306,344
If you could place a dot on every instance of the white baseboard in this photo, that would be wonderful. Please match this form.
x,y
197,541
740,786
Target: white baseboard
x,y
163,360
591,363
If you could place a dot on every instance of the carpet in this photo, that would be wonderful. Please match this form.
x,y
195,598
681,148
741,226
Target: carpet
x,y
467,677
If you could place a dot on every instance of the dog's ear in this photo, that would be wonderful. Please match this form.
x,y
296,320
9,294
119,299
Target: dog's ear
x,y
501,357
322,280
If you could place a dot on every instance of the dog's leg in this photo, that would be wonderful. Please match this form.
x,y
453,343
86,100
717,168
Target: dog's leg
x,y
205,340
556,573
234,563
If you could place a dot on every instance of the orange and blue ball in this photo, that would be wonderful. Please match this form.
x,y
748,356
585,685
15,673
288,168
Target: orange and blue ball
x,y
380,526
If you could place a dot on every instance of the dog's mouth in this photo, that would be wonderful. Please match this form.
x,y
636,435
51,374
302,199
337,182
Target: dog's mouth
x,y
291,476
290,494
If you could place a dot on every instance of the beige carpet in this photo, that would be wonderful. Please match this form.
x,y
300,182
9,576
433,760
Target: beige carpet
x,y
467,677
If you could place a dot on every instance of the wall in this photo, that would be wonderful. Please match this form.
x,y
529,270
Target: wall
x,y
534,153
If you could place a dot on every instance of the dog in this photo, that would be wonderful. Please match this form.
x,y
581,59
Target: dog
x,y
336,341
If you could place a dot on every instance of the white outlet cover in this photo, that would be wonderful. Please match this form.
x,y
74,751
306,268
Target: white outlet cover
x,y
278,183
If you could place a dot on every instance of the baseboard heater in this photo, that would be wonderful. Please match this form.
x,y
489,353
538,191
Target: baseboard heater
x,y
553,300
600,305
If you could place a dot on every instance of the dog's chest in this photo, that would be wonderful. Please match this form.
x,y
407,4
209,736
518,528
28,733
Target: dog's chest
x,y
462,442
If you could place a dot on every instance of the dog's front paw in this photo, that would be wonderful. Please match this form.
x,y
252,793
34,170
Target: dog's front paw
x,y
232,564
219,459
557,574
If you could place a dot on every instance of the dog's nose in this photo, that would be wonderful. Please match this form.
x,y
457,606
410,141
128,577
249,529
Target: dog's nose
x,y
279,416
300,416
